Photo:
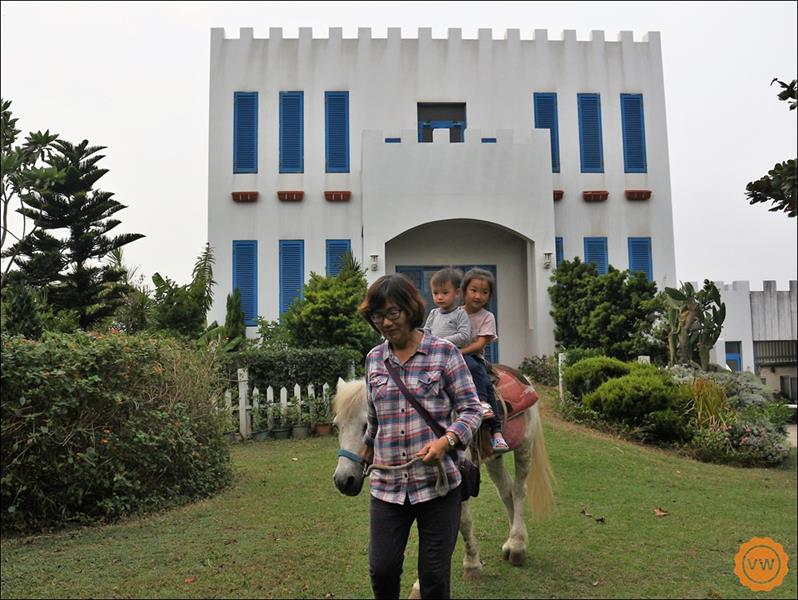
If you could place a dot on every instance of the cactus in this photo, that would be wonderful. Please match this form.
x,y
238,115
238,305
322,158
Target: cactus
x,y
696,321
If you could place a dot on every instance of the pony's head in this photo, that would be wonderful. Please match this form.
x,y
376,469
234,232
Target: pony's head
x,y
349,407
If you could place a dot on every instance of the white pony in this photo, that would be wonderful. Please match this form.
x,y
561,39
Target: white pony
x,y
533,476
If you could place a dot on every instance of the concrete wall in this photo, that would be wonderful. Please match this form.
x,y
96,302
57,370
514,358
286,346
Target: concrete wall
x,y
774,313
755,316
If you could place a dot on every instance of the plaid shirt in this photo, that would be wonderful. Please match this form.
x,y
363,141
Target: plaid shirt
x,y
438,377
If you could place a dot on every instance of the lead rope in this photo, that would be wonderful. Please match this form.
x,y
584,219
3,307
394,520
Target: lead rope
x,y
441,483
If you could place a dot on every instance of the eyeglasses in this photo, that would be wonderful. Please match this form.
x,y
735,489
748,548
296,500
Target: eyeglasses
x,y
378,317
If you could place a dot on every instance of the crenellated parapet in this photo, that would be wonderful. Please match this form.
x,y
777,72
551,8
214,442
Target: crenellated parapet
x,y
425,35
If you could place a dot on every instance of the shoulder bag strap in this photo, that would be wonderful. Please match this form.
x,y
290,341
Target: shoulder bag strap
x,y
434,425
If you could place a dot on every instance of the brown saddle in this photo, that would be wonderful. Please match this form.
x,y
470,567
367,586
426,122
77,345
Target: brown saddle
x,y
514,394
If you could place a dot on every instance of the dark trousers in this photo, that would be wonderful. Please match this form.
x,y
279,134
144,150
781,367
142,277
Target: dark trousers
x,y
479,373
438,522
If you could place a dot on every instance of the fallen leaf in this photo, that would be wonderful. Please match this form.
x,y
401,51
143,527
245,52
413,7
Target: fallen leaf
x,y
600,520
191,579
660,513
595,583
584,512
295,459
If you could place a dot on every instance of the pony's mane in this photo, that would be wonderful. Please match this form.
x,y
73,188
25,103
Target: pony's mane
x,y
350,397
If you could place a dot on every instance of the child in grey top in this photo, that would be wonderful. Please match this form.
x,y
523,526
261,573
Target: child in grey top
x,y
448,321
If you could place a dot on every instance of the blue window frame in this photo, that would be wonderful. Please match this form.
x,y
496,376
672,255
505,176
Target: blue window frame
x,y
245,278
634,133
546,118
421,275
640,256
245,132
335,252
596,253
591,148
558,250
336,131
459,126
292,133
734,356
292,272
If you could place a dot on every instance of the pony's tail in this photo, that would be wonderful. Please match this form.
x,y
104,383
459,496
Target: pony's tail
x,y
540,479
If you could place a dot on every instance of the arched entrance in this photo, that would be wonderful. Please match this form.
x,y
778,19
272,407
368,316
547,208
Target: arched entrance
x,y
421,251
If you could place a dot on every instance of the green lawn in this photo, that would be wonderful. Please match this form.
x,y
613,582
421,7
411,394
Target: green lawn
x,y
283,531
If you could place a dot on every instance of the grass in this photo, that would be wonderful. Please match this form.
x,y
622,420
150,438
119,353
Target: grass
x,y
283,531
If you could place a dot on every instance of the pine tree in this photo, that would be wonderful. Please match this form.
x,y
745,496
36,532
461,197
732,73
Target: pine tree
x,y
70,268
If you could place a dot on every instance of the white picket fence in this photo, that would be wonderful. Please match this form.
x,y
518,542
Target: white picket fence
x,y
246,408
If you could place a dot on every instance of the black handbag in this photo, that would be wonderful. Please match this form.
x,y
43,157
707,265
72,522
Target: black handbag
x,y
469,472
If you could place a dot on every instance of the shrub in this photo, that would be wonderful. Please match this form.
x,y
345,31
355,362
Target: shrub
x,y
667,425
574,355
742,444
741,388
97,427
541,369
631,398
588,374
289,366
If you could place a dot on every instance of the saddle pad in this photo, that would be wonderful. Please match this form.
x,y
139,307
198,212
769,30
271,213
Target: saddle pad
x,y
517,393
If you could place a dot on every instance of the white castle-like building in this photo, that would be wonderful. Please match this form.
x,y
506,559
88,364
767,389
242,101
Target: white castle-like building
x,y
417,153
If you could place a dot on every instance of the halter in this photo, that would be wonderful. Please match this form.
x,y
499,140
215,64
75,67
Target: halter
x,y
352,456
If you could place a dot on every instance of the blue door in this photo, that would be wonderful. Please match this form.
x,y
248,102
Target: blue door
x,y
421,275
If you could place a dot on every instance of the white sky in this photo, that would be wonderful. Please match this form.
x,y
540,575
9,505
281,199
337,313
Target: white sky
x,y
134,77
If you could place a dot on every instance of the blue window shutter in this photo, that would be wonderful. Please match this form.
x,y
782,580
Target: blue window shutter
x,y
640,256
634,133
292,272
336,132
558,250
245,132
393,140
335,251
245,278
292,159
546,118
596,253
591,149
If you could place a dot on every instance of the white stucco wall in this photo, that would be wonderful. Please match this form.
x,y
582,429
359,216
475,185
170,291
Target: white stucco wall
x,y
386,79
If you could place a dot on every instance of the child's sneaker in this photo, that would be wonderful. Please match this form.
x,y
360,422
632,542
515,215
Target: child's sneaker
x,y
487,411
498,445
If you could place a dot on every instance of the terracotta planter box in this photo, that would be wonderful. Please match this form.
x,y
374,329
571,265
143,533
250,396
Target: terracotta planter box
x,y
245,196
337,196
558,194
290,195
637,194
595,195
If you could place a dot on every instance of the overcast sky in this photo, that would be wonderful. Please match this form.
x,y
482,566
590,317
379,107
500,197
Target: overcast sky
x,y
134,77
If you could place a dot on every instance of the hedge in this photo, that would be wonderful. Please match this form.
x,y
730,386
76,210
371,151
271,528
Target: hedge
x,y
96,427
286,367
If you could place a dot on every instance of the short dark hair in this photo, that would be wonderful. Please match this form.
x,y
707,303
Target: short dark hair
x,y
447,275
398,289
477,273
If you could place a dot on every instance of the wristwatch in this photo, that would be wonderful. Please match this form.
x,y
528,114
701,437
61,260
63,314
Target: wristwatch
x,y
451,439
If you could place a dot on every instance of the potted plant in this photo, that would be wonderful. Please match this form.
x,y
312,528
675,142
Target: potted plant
x,y
321,412
280,427
300,420
260,423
